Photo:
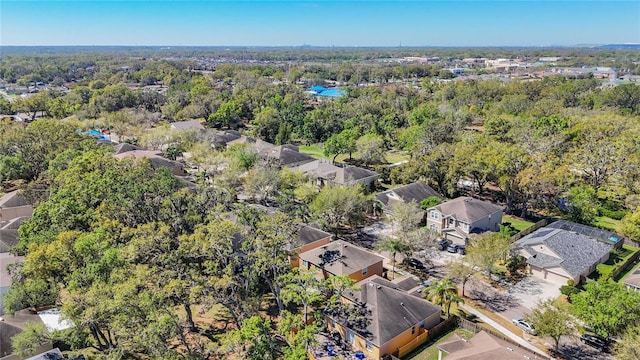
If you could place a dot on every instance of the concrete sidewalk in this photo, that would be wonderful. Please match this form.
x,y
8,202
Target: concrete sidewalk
x,y
503,330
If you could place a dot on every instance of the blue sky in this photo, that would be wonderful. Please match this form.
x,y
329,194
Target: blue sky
x,y
320,23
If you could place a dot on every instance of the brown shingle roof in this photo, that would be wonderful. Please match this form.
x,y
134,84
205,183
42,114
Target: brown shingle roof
x,y
390,311
340,258
483,346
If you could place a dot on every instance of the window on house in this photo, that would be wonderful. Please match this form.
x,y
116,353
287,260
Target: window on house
x,y
364,271
433,227
369,345
351,337
413,330
304,264
434,215
451,221
465,226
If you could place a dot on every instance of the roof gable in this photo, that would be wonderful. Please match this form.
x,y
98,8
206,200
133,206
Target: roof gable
x,y
340,258
575,253
415,192
12,199
390,311
467,209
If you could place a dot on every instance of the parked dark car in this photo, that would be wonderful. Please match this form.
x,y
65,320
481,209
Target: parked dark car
x,y
595,341
462,250
442,244
414,263
452,248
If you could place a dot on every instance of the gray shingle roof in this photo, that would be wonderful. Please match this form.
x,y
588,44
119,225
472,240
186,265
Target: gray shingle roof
x,y
390,311
467,209
124,147
338,175
12,199
575,253
633,279
186,125
586,230
257,144
416,192
340,258
287,155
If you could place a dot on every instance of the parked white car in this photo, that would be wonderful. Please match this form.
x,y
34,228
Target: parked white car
x,y
524,326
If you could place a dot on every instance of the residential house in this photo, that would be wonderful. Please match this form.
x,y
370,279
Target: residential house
x,y
483,346
186,125
16,323
560,255
14,205
53,354
13,325
414,192
222,138
9,233
308,238
257,144
14,210
341,258
124,147
456,219
156,160
393,321
632,281
286,156
323,172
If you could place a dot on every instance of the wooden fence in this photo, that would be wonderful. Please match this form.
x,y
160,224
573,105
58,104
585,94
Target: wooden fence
x,y
529,230
417,341
475,328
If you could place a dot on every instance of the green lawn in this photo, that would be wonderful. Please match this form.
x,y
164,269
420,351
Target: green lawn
x,y
616,259
429,351
315,150
395,156
518,223
607,223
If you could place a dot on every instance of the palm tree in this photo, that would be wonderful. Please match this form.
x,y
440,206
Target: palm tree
x,y
444,293
394,246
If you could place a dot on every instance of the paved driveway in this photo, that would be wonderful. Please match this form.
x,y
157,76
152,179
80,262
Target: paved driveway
x,y
531,290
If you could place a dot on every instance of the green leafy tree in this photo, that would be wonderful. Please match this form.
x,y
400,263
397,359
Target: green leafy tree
x,y
630,225
27,342
444,293
406,216
29,293
341,143
302,287
461,272
551,318
335,205
430,202
486,249
268,248
583,205
227,115
607,306
371,149
395,247
629,346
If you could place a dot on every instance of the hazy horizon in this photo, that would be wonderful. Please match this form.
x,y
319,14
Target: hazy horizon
x,y
319,23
